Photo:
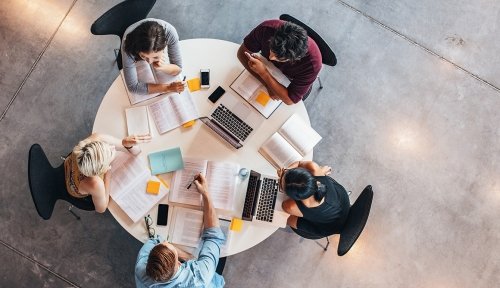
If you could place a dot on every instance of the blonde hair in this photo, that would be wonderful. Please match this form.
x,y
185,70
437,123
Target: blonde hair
x,y
93,157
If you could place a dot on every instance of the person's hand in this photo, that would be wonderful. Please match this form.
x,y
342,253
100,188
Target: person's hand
x,y
256,65
159,64
131,141
177,86
280,172
201,184
326,169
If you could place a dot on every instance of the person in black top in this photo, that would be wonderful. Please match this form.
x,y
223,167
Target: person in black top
x,y
319,205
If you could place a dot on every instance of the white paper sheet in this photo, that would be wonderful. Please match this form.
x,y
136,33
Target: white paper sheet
x,y
129,177
187,227
137,120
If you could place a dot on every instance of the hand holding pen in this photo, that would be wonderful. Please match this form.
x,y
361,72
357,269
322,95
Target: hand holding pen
x,y
194,179
201,184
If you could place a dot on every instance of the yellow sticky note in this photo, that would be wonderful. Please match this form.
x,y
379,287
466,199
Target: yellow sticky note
x,y
194,84
262,98
153,187
188,124
236,224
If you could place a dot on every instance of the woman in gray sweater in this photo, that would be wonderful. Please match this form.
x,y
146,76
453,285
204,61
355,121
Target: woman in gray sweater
x,y
148,40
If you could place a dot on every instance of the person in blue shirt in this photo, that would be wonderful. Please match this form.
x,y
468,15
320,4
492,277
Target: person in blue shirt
x,y
158,263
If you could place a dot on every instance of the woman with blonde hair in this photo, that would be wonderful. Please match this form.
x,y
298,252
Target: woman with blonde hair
x,y
87,168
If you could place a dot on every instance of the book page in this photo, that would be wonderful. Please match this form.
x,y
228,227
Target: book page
x,y
137,120
164,78
163,115
144,75
184,107
182,178
222,178
129,177
301,136
280,151
188,226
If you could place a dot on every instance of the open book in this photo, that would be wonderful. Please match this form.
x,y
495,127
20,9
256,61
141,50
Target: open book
x,y
221,181
255,93
146,73
173,110
129,177
290,144
188,225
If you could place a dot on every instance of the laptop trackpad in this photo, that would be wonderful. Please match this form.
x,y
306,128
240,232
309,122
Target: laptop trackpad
x,y
241,110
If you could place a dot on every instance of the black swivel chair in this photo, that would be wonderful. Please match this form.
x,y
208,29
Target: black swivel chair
x,y
355,223
47,185
327,55
117,19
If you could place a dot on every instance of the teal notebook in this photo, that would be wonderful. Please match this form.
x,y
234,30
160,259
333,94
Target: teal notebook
x,y
166,161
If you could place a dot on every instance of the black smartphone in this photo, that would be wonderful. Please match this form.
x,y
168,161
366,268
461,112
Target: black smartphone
x,y
162,215
216,94
205,78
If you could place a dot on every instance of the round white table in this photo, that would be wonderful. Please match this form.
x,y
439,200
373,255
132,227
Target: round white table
x,y
220,57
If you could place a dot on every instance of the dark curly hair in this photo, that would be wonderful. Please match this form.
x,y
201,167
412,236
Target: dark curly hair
x,y
300,184
289,42
147,37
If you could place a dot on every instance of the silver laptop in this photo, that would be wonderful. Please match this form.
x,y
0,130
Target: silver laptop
x,y
233,120
263,201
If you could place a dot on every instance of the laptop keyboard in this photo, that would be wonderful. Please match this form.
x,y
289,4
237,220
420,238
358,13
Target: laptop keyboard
x,y
249,198
232,122
267,200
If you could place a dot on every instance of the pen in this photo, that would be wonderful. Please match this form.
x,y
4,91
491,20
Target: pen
x,y
184,79
191,183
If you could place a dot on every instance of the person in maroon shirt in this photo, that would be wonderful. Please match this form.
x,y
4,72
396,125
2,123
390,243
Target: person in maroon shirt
x,y
289,48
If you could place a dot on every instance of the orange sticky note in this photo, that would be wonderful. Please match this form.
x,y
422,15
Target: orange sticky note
x,y
262,98
153,187
194,84
236,224
188,124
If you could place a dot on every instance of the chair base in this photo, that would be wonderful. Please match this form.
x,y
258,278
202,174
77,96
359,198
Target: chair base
x,y
325,248
70,209
320,84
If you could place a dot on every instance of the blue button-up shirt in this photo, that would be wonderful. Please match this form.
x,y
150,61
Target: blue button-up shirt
x,y
192,273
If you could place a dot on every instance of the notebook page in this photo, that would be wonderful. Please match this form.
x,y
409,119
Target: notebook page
x,y
181,179
247,85
222,178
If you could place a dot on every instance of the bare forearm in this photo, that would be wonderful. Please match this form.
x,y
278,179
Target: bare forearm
x,y
210,218
275,88
158,88
244,61
170,69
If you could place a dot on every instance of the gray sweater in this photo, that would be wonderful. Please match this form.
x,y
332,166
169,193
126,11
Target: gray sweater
x,y
173,51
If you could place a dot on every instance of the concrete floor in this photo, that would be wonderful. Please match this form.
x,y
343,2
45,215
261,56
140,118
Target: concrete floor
x,y
411,108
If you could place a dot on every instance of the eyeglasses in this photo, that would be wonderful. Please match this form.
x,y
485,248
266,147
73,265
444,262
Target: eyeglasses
x,y
151,230
280,180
